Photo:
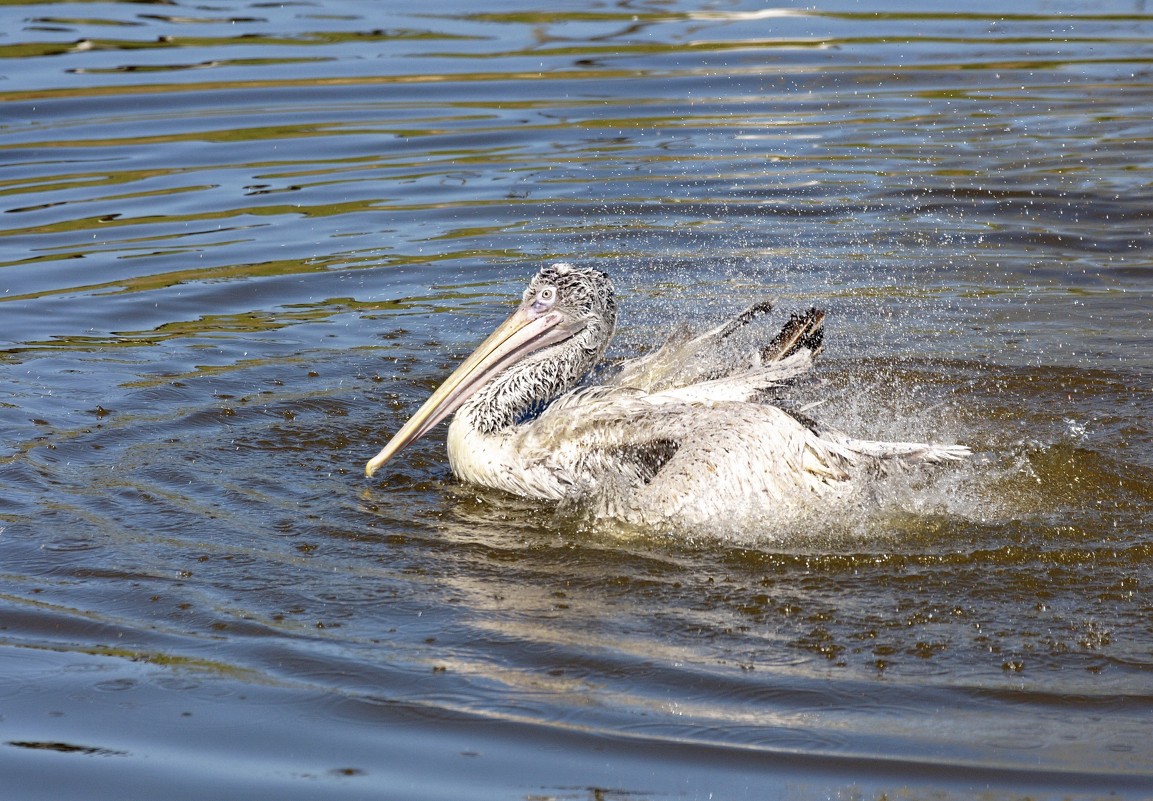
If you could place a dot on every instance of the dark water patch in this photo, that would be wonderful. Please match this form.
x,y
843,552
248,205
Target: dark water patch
x,y
65,748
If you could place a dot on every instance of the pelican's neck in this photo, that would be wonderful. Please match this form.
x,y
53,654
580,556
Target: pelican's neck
x,y
482,437
520,393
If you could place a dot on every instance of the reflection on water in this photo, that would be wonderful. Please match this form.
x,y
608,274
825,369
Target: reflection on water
x,y
242,243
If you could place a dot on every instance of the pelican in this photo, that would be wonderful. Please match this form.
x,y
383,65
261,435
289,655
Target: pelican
x,y
672,439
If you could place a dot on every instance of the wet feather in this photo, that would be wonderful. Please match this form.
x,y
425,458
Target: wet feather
x,y
673,438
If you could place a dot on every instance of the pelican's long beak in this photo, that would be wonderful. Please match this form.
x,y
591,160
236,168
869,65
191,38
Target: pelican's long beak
x,y
522,333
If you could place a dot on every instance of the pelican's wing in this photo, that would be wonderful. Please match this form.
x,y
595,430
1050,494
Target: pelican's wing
x,y
661,444
882,452
659,458
746,385
718,365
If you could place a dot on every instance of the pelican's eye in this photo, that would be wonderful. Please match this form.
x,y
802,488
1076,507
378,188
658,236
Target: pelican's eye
x,y
545,297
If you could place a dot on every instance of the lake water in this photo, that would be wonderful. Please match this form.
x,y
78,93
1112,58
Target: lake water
x,y
242,242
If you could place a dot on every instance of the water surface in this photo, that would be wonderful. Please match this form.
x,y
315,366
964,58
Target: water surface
x,y
242,242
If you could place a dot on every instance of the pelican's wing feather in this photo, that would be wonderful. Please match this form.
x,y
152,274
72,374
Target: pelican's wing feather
x,y
882,452
743,386
725,366
672,364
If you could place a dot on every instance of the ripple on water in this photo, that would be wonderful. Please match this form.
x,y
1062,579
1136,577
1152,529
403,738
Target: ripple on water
x,y
242,245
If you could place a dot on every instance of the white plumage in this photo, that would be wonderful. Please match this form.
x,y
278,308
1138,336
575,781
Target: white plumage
x,y
674,439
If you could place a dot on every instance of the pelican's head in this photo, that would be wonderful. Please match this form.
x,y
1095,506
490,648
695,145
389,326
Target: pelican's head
x,y
558,333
